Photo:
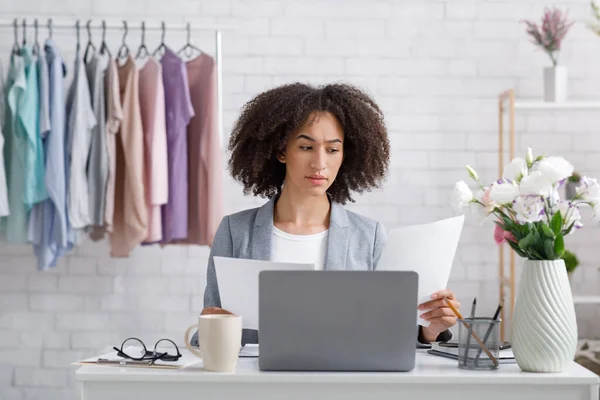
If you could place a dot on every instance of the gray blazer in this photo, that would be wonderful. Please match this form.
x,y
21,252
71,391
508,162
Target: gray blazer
x,y
354,243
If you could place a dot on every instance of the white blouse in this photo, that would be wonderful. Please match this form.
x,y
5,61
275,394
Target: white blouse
x,y
287,247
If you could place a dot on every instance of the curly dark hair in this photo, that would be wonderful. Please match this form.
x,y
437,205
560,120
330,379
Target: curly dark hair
x,y
266,122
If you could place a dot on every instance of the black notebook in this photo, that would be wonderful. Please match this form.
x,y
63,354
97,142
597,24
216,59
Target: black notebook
x,y
506,355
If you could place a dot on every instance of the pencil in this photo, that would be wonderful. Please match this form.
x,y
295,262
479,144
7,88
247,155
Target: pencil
x,y
489,330
468,346
460,317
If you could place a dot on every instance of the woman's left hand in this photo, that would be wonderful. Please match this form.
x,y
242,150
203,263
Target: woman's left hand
x,y
440,316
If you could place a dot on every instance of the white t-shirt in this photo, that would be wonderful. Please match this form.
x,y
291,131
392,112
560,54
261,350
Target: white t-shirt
x,y
81,120
287,247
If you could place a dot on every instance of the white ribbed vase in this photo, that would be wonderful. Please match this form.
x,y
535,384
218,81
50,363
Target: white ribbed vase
x,y
544,329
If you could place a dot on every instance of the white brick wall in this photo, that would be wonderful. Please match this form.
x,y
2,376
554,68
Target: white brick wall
x,y
435,67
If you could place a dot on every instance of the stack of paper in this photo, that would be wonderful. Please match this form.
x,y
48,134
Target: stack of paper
x,y
112,359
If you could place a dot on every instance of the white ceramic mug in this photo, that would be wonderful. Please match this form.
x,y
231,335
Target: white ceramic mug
x,y
220,338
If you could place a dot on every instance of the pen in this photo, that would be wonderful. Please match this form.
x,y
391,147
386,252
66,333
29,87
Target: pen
x,y
460,317
123,362
489,330
468,345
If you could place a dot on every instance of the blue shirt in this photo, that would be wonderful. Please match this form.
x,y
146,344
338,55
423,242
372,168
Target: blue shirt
x,y
29,114
14,226
48,224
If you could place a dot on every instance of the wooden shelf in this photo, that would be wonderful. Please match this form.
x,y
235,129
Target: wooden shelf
x,y
569,105
508,105
586,299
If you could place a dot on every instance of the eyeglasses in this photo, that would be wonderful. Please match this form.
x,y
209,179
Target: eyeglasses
x,y
143,354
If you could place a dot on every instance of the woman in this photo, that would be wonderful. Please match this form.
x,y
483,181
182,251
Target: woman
x,y
307,149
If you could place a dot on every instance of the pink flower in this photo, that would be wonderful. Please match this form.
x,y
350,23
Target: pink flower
x,y
486,195
549,36
501,236
488,204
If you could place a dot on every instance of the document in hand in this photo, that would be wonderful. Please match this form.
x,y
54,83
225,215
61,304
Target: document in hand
x,y
427,249
238,284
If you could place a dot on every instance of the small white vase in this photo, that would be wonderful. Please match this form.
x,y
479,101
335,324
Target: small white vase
x,y
570,190
544,328
555,84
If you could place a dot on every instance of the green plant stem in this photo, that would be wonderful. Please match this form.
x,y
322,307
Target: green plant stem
x,y
566,219
570,212
547,209
512,213
554,61
497,211
574,203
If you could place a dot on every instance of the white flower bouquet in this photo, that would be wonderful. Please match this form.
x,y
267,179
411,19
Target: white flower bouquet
x,y
526,206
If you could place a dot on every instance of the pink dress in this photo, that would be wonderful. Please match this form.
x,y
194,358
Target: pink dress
x,y
205,163
130,220
152,107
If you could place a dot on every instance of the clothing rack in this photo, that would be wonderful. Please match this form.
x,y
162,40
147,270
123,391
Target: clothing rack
x,y
141,25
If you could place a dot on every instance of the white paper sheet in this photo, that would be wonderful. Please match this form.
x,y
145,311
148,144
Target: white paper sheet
x,y
427,249
238,284
186,359
249,350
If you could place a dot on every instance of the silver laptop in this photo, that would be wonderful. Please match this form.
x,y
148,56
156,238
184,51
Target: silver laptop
x,y
337,320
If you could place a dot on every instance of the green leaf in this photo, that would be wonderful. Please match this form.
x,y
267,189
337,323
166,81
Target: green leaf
x,y
569,229
549,249
559,246
508,223
538,240
520,231
547,231
535,255
556,223
526,241
516,248
530,227
517,233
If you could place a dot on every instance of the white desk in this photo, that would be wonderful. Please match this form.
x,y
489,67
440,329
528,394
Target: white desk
x,y
433,378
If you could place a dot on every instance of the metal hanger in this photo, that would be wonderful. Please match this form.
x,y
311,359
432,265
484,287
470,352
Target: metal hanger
x,y
162,45
24,24
78,33
36,43
103,46
50,28
123,50
143,50
90,45
16,49
189,47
